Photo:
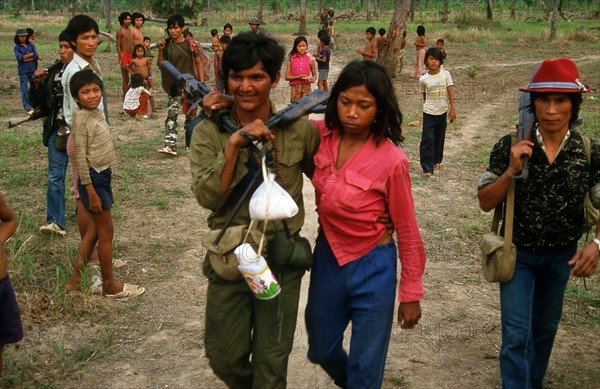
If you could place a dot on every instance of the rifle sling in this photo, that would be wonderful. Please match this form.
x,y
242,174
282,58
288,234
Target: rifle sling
x,y
510,211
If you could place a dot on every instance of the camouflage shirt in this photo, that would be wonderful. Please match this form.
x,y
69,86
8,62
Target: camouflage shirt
x,y
549,203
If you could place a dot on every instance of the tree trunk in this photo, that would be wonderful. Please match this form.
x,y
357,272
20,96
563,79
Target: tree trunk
x,y
445,12
554,20
513,10
302,23
489,10
261,6
32,5
397,28
107,15
413,4
368,10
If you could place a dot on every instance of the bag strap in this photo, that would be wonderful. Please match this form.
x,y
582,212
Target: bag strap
x,y
510,209
587,147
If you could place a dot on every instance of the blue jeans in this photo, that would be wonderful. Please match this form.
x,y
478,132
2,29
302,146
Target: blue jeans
x,y
363,292
431,149
531,307
24,86
55,197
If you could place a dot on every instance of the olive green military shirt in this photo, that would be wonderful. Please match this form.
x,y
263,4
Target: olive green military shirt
x,y
297,145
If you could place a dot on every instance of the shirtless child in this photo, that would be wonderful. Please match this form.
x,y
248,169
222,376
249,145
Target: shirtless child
x,y
124,49
143,65
369,53
136,28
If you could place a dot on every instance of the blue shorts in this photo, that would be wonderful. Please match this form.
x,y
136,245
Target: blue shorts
x,y
101,182
11,330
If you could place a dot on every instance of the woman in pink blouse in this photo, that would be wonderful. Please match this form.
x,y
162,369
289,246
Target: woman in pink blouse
x,y
360,173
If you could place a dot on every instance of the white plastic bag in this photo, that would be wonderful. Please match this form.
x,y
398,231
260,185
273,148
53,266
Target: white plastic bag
x,y
270,201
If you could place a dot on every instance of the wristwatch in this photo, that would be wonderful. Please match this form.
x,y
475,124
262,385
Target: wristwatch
x,y
597,241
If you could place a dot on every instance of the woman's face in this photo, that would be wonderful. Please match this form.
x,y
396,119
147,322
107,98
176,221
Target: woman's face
x,y
357,109
227,31
301,47
22,38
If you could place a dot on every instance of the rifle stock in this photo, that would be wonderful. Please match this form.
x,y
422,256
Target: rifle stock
x,y
525,131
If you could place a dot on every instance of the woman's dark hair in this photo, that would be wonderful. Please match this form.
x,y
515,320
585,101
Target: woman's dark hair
x,y
576,100
247,49
123,16
228,26
373,76
297,41
420,30
80,24
435,53
137,80
18,42
82,78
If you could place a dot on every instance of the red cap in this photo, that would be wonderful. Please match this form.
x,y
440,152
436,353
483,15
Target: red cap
x,y
556,76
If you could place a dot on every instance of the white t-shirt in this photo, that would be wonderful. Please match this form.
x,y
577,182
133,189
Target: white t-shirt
x,y
69,103
132,97
435,88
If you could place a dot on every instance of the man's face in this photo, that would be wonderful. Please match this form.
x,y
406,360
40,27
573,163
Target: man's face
x,y
86,44
89,96
254,27
127,21
251,87
138,22
65,52
553,111
175,31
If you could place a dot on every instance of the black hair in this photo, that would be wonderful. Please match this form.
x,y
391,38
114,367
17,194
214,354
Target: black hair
x,y
228,26
225,39
63,36
372,76
576,100
136,81
435,53
147,38
322,32
78,25
175,20
420,30
138,46
325,39
440,41
371,30
247,49
123,16
82,78
30,31
137,15
214,32
382,31
18,42
297,41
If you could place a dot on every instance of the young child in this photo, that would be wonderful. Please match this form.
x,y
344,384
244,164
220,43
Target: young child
x,y
27,57
401,53
31,37
95,157
11,330
323,57
300,71
370,51
143,65
420,45
220,76
216,43
437,88
440,45
228,30
148,47
381,43
136,98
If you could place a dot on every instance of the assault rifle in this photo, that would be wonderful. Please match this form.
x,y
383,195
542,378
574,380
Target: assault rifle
x,y
195,91
38,112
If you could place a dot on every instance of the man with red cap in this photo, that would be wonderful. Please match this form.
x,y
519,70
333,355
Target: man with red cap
x,y
548,220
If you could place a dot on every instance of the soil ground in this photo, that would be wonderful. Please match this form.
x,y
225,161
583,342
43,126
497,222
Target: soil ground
x,y
157,340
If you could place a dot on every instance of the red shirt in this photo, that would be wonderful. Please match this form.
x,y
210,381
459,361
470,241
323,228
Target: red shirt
x,y
300,67
373,181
